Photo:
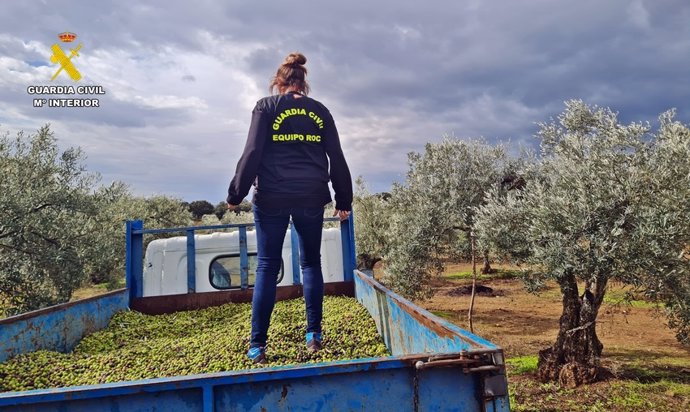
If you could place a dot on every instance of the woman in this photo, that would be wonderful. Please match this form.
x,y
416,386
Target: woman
x,y
292,139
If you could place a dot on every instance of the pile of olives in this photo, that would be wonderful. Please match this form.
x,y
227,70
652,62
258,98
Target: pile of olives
x,y
137,346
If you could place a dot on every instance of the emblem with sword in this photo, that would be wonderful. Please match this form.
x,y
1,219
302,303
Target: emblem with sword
x,y
60,57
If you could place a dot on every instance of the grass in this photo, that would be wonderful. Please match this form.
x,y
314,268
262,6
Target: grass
x,y
521,365
499,274
631,395
672,388
628,395
88,291
661,384
615,296
606,396
669,370
448,315
618,297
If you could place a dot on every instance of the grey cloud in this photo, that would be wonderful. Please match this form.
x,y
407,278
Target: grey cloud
x,y
394,74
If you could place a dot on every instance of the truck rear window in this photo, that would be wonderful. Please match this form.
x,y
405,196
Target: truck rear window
x,y
224,272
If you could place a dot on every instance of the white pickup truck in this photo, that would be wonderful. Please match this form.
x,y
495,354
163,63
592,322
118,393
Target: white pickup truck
x,y
218,262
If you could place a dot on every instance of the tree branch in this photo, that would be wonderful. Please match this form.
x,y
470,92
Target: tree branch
x,y
47,239
8,234
38,208
16,249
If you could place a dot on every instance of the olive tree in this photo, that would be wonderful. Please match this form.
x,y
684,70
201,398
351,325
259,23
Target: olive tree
x,y
433,211
610,202
371,225
105,252
44,204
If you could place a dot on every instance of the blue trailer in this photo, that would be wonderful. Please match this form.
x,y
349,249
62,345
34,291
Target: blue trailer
x,y
434,365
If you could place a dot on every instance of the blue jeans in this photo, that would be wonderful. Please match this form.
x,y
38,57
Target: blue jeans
x,y
271,226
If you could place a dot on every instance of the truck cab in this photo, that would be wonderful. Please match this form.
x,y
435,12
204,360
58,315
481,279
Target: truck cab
x,y
218,262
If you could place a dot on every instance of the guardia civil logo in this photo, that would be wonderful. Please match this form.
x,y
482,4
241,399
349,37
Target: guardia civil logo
x,y
65,61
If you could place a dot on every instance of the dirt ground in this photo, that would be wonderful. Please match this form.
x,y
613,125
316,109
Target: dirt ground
x,y
523,323
651,369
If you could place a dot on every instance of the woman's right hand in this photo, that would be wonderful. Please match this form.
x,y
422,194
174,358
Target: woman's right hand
x,y
342,214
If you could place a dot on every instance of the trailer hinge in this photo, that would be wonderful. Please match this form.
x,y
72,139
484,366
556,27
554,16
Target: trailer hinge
x,y
469,362
445,362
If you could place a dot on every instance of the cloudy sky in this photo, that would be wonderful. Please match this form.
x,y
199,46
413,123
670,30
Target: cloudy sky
x,y
182,77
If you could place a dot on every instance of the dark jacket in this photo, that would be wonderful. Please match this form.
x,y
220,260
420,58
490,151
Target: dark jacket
x,y
291,140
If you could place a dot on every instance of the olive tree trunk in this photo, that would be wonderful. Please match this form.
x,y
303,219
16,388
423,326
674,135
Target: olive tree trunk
x,y
366,262
574,358
486,269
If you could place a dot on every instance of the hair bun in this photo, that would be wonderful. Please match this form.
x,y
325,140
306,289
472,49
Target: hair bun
x,y
295,59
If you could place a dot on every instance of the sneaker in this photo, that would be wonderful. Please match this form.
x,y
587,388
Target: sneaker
x,y
314,341
257,354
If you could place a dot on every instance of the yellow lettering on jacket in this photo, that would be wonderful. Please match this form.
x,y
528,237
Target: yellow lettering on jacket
x,y
288,137
285,114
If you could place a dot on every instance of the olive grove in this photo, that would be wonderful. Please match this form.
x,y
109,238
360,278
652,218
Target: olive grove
x,y
427,219
607,202
58,228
